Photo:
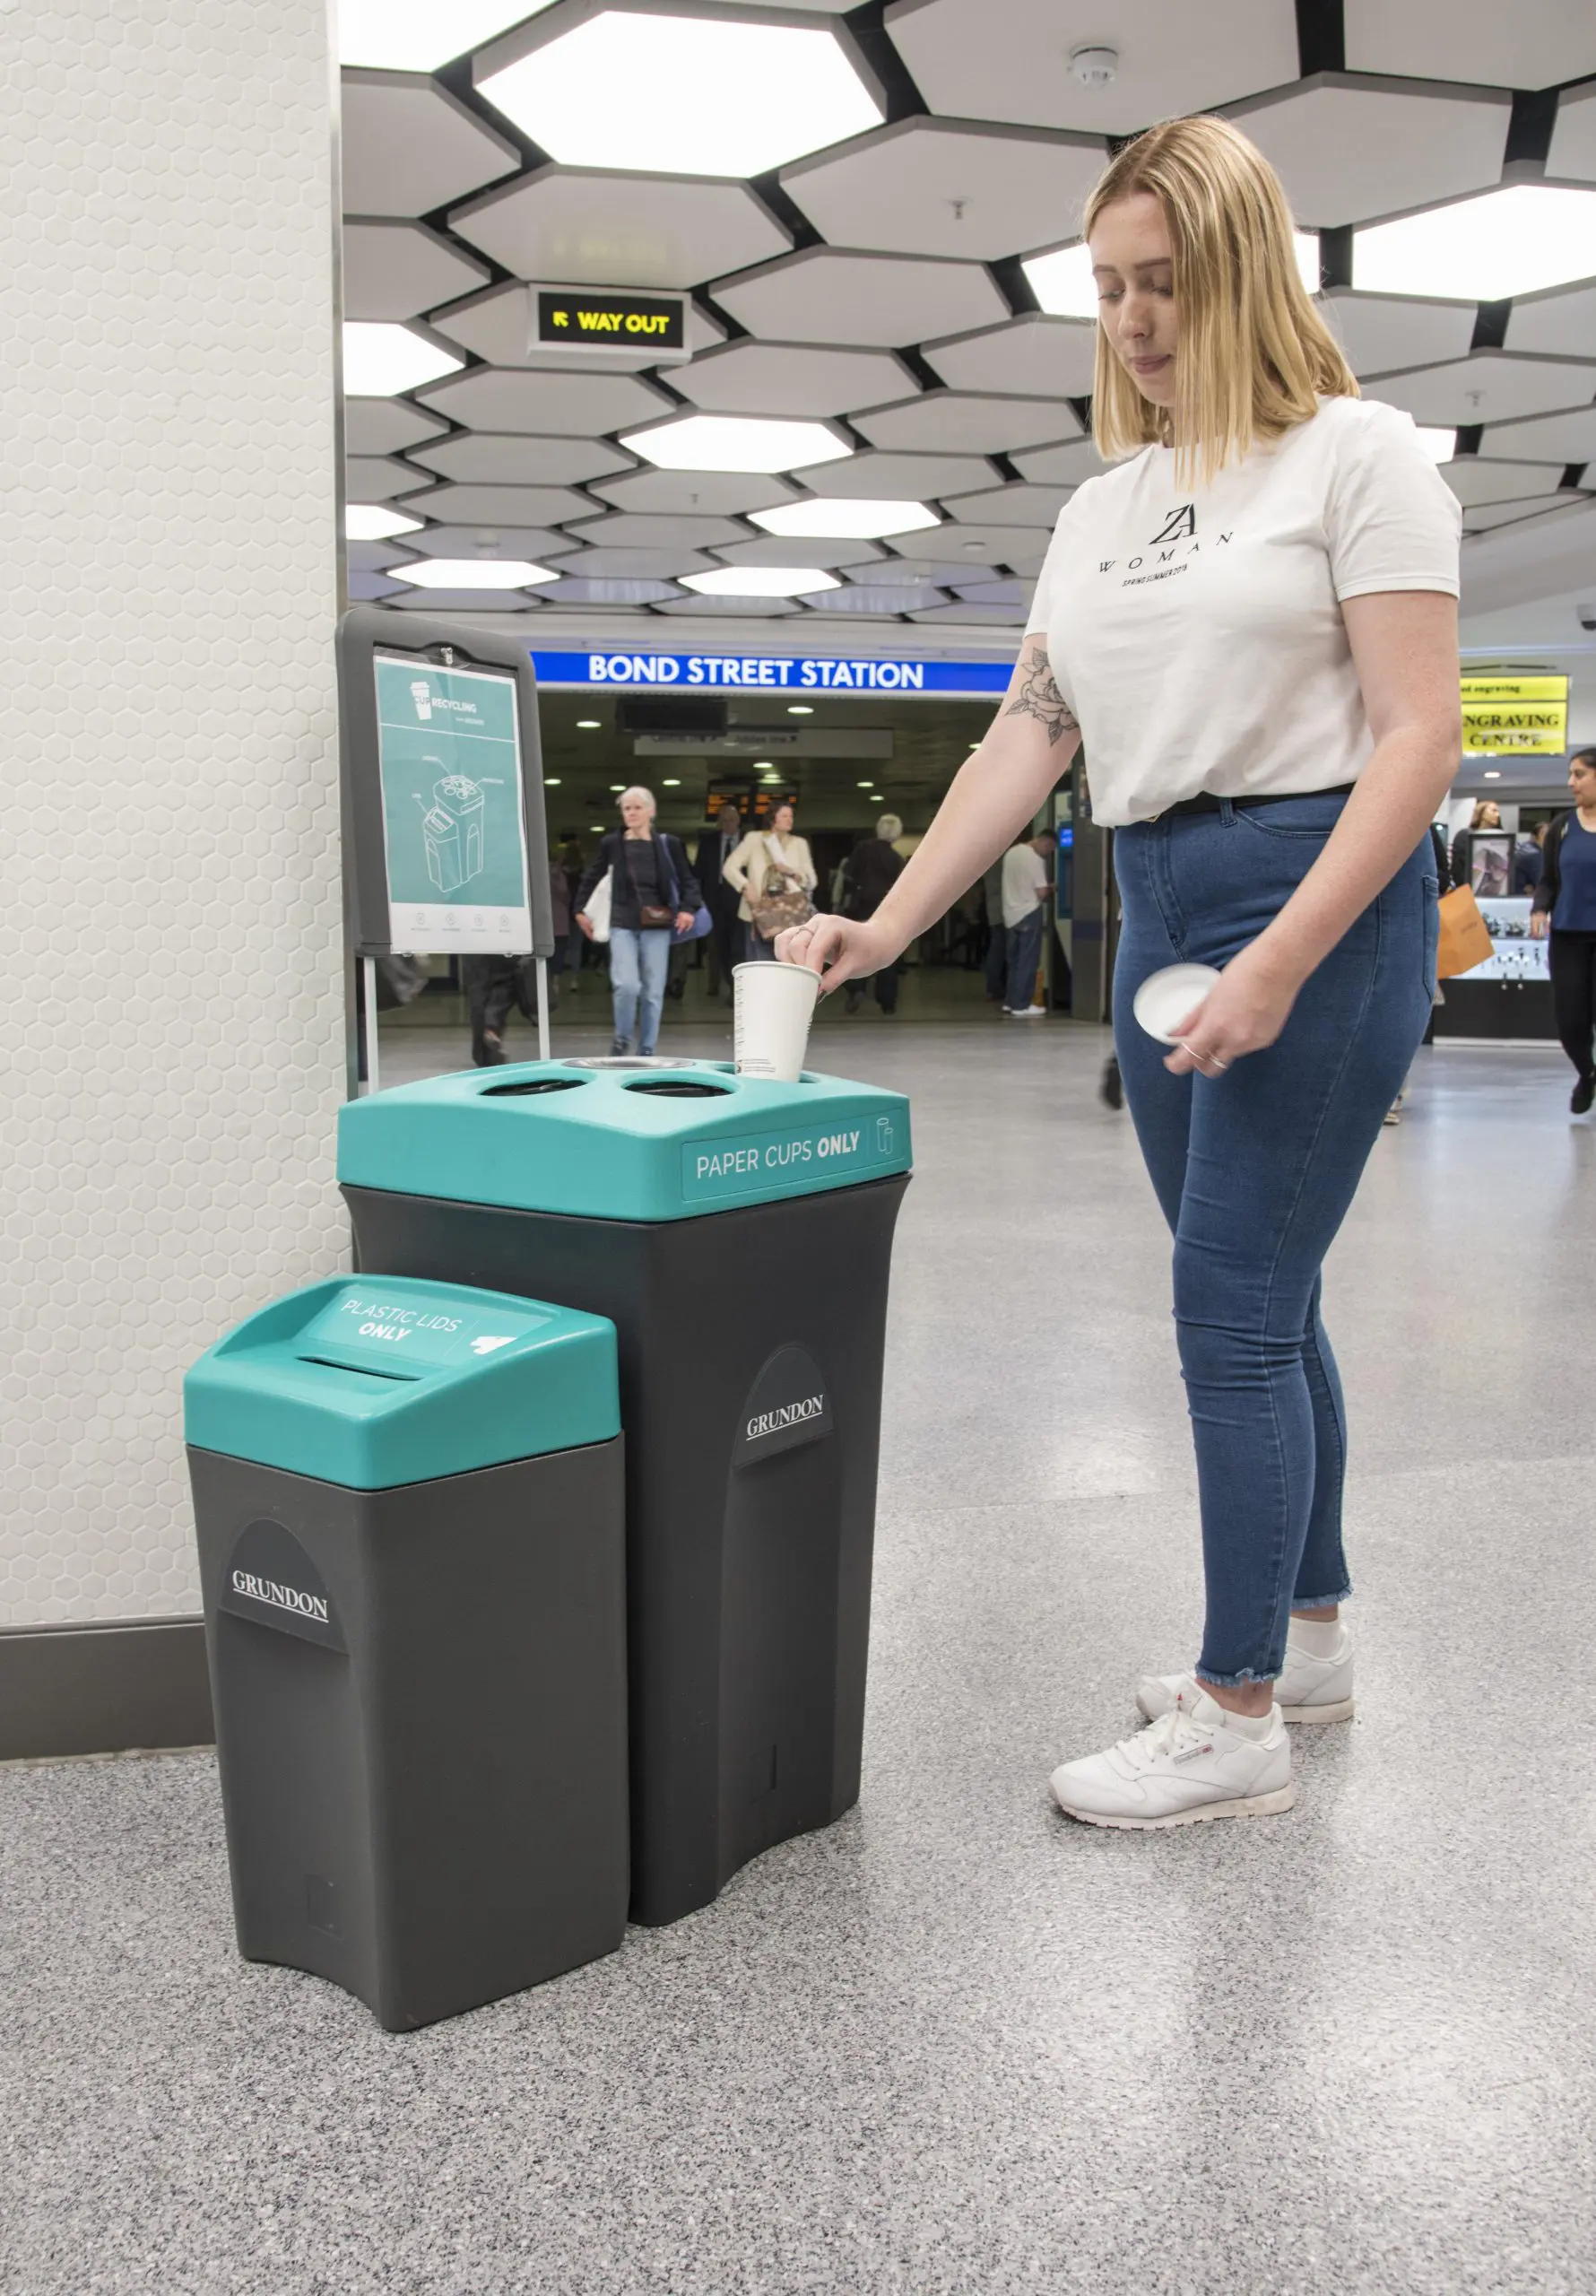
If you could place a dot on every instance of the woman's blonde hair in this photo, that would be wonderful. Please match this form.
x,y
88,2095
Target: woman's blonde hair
x,y
1254,356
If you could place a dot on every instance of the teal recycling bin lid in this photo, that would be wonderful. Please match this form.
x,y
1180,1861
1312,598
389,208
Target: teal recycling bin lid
x,y
373,1381
621,1139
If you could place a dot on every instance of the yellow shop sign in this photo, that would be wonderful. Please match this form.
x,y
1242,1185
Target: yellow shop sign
x,y
1517,716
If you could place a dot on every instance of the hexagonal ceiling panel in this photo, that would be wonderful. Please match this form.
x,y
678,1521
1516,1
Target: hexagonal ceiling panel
x,y
1414,145
366,588
962,611
1478,482
990,545
497,325
660,564
397,271
1010,59
956,422
1381,333
686,493
577,405
1492,386
598,229
1010,506
939,187
376,557
876,598
942,572
502,506
377,478
896,478
385,426
489,542
1533,44
613,590
409,146
514,459
1563,322
1573,149
1040,357
1065,465
772,550
1510,513
830,295
751,377
623,530
1549,437
739,609
463,601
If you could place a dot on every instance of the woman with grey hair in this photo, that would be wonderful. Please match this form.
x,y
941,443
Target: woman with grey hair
x,y
653,893
867,875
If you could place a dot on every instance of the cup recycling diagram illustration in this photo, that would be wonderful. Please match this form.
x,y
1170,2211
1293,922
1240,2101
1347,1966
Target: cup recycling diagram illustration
x,y
451,815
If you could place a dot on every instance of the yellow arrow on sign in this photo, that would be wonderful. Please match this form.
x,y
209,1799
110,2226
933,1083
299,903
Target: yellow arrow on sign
x,y
561,319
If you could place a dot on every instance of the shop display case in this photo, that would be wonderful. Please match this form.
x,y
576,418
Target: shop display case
x,y
1510,995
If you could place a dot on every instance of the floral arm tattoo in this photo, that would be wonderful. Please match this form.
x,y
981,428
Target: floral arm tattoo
x,y
1040,697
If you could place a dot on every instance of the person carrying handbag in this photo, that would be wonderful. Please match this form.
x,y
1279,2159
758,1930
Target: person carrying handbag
x,y
773,873
652,894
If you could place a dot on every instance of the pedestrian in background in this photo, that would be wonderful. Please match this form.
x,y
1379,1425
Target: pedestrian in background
x,y
716,848
653,893
1026,888
867,875
770,864
1564,906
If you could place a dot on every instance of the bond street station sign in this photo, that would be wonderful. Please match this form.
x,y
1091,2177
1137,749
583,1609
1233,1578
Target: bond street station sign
x,y
789,673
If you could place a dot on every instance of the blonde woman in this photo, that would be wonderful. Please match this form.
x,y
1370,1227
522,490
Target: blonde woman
x,y
767,858
1252,617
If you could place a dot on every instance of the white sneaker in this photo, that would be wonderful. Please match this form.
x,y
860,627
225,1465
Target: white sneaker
x,y
1184,1768
1024,1012
1309,1690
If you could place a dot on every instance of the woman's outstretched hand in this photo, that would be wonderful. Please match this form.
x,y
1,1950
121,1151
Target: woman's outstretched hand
x,y
837,948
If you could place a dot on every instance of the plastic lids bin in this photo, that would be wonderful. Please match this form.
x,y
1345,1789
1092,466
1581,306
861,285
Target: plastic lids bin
x,y
737,1231
410,1509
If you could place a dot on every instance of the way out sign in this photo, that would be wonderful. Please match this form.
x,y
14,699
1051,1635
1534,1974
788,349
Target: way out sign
x,y
604,322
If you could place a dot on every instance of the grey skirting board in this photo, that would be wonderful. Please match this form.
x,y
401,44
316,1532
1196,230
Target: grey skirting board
x,y
103,1689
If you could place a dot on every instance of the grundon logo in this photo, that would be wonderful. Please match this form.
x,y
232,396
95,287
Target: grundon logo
x,y
279,1597
784,1415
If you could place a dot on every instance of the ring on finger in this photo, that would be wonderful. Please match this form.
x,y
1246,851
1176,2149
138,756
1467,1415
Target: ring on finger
x,y
1208,1059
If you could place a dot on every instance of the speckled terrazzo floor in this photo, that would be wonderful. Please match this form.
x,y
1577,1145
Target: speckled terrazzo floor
x,y
955,2044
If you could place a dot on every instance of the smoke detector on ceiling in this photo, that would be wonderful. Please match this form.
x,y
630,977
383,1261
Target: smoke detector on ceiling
x,y
1095,66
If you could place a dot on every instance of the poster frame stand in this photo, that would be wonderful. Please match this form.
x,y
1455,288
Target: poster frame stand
x,y
364,632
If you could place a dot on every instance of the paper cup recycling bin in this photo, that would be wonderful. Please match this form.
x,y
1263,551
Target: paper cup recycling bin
x,y
409,1507
737,1231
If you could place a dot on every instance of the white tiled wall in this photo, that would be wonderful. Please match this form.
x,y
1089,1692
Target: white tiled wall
x,y
171,1006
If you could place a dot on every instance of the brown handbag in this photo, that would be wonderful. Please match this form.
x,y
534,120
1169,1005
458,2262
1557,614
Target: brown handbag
x,y
782,902
1465,936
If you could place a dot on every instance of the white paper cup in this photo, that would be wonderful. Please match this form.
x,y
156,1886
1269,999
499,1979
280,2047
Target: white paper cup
x,y
773,1006
1164,999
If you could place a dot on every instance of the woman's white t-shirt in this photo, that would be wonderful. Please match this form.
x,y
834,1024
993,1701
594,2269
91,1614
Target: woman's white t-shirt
x,y
1198,636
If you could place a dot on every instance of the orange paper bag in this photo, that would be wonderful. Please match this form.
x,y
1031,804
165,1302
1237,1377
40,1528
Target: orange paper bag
x,y
1465,936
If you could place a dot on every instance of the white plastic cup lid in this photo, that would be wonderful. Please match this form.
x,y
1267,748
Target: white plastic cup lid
x,y
1167,999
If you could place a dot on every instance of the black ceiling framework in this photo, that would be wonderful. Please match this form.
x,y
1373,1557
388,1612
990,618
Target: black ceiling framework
x,y
1550,477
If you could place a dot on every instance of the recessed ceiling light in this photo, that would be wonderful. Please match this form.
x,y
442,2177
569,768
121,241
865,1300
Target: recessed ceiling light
x,y
669,784
1440,446
1062,284
800,709
551,781
616,788
369,522
418,35
472,573
597,828
1482,250
680,95
737,442
855,521
589,725
865,785
1492,774
381,358
762,581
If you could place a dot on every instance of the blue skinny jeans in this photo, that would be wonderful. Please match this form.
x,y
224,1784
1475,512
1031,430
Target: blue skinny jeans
x,y
638,964
1255,1172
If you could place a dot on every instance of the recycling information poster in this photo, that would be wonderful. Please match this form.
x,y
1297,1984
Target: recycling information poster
x,y
452,828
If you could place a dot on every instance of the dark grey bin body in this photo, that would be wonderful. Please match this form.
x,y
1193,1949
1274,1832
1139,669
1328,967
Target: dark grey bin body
x,y
748,1567
426,1798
